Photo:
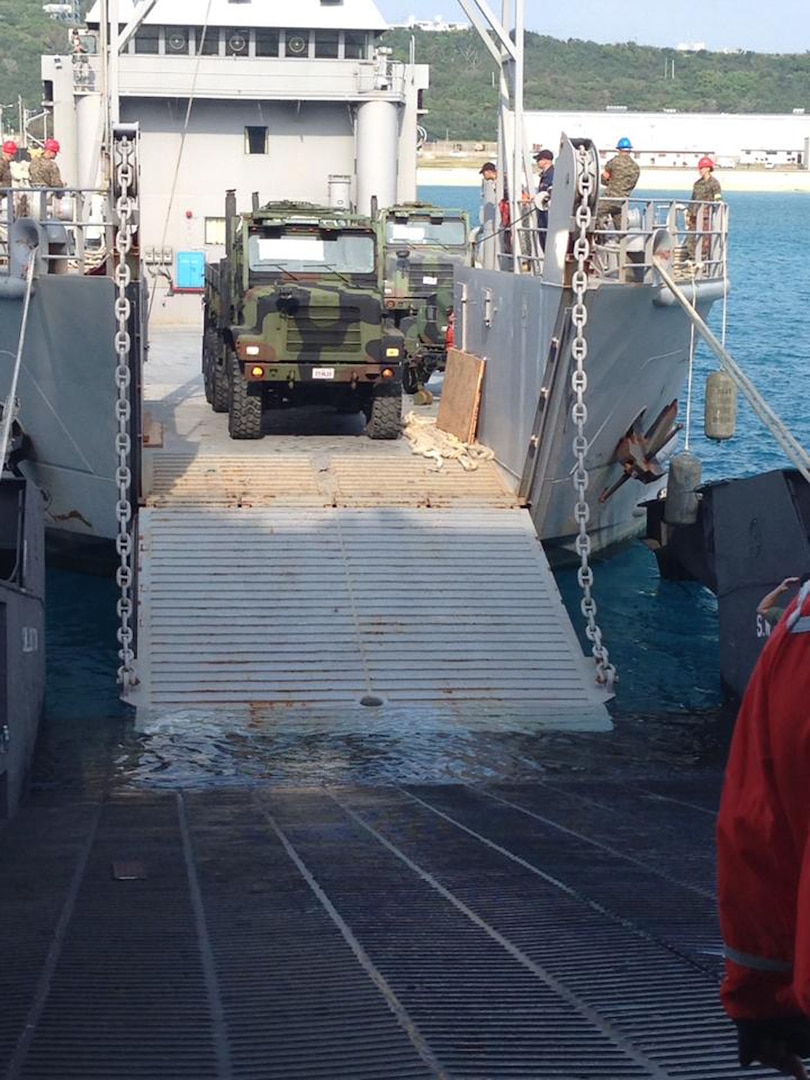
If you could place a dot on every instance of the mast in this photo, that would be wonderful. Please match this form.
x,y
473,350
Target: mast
x,y
504,40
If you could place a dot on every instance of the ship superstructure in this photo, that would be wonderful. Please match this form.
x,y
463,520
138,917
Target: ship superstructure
x,y
292,102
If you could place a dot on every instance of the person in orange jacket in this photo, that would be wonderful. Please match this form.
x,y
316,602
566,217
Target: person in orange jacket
x,y
763,854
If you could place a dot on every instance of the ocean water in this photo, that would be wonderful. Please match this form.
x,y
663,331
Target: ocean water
x,y
662,636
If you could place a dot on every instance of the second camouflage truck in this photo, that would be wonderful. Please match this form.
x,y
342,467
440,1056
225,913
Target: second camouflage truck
x,y
294,315
422,245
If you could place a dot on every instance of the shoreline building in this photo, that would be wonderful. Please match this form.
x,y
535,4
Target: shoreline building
x,y
220,104
678,140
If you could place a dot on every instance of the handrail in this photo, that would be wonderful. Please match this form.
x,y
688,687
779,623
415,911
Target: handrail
x,y
626,253
86,238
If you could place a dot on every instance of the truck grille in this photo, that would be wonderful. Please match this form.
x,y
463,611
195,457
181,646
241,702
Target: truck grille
x,y
324,332
442,274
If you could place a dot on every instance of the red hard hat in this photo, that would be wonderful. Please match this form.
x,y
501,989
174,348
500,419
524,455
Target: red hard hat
x,y
705,163
10,148
52,144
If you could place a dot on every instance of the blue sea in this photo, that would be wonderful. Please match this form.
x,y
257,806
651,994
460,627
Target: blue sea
x,y
662,636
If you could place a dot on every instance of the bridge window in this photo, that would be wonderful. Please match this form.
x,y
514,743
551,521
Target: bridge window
x,y
237,42
147,39
326,44
176,40
208,45
255,140
354,45
296,43
267,42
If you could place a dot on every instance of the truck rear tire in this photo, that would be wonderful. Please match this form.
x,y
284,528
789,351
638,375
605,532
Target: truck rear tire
x,y
207,360
410,380
215,378
244,409
220,401
384,415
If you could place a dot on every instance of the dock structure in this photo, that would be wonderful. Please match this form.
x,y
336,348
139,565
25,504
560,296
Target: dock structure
x,y
331,572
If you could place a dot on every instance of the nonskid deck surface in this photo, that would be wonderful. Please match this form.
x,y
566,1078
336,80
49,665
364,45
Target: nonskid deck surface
x,y
276,609
559,928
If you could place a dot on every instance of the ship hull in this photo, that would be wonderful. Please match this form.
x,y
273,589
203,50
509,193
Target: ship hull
x,y
67,392
636,367
22,635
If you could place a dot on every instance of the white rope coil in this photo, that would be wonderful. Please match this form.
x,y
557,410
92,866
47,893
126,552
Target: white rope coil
x,y
430,442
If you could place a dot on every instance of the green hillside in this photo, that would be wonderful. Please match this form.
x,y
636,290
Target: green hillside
x,y
582,75
461,101
25,33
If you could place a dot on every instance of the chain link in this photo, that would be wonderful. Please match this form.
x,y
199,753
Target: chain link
x,y
125,209
586,186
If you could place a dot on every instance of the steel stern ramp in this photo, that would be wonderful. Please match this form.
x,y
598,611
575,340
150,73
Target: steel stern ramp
x,y
342,616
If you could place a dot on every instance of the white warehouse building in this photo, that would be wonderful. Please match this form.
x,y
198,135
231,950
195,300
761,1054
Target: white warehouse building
x,y
675,140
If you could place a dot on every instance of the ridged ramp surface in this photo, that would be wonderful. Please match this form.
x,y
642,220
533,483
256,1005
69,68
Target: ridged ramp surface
x,y
274,609
561,929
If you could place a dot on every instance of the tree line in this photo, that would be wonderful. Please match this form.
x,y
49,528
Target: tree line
x,y
584,76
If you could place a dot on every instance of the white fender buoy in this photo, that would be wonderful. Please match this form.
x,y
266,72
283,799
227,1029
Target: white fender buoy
x,y
681,502
720,417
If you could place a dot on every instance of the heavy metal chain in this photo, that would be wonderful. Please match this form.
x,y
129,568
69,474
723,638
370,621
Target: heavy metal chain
x,y
125,208
586,185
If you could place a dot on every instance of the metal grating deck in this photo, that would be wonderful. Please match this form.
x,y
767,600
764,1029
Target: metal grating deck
x,y
276,608
365,933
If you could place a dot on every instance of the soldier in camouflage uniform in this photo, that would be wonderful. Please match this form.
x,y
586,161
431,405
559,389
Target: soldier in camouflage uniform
x,y
6,157
706,189
619,176
44,171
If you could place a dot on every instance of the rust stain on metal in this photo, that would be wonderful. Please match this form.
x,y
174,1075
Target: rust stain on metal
x,y
72,515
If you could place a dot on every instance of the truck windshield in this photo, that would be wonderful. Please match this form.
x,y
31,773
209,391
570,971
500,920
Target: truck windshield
x,y
312,252
449,232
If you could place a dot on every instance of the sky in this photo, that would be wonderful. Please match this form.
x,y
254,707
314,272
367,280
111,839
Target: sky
x,y
778,26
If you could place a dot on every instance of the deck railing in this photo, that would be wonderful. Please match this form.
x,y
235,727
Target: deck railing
x,y
70,226
630,233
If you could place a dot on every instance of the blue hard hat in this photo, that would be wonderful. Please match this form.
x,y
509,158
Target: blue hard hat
x,y
624,144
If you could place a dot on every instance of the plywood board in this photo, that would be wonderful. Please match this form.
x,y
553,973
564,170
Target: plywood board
x,y
152,430
461,395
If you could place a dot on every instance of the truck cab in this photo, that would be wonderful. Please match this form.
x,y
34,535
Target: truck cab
x,y
294,315
421,246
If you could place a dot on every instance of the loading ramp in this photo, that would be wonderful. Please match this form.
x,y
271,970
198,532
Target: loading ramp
x,y
334,572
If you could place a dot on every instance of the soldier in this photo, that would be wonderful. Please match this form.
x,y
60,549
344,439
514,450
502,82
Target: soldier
x,y
44,171
706,189
9,152
545,166
619,176
7,156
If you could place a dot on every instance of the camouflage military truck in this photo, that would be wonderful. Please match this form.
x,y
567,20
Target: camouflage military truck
x,y
294,315
421,246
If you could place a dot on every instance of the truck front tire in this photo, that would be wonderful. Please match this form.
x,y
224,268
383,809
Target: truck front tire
x,y
384,413
244,409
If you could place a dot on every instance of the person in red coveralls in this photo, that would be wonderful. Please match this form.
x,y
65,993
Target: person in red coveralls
x,y
763,854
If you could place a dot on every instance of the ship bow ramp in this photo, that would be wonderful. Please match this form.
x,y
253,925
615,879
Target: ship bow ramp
x,y
344,582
